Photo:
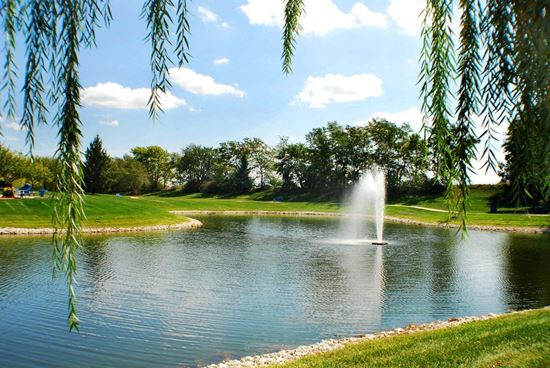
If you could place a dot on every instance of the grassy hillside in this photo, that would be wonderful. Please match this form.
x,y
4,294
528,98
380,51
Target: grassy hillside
x,y
109,210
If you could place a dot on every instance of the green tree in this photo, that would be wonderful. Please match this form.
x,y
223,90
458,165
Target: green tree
x,y
241,180
127,175
525,168
321,158
40,173
414,152
156,161
196,166
96,162
387,140
261,160
13,165
234,163
293,164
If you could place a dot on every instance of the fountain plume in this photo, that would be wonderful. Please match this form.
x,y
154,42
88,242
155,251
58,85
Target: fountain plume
x,y
366,207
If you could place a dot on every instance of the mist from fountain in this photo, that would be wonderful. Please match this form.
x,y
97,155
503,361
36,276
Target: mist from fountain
x,y
366,208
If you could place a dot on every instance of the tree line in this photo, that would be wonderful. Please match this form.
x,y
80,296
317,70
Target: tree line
x,y
16,169
330,160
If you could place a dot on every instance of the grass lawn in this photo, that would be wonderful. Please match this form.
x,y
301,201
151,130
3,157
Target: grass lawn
x,y
109,210
478,214
516,340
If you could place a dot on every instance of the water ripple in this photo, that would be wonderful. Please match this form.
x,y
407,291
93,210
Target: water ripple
x,y
251,285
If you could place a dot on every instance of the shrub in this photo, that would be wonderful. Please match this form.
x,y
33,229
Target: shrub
x,y
8,192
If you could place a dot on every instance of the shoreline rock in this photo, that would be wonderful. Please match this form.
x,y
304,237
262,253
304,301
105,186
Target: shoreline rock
x,y
285,356
195,223
192,224
510,229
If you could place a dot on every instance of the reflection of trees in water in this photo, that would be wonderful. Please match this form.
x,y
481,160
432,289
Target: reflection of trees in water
x,y
419,270
95,262
527,272
22,262
408,265
442,270
326,278
343,284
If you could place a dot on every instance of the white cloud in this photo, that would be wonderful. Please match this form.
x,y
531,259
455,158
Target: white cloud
x,y
221,61
201,84
481,176
412,115
111,123
115,96
14,126
368,18
406,13
335,88
207,15
262,12
320,18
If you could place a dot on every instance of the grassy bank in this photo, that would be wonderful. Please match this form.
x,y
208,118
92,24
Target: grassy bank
x,y
109,210
433,208
515,340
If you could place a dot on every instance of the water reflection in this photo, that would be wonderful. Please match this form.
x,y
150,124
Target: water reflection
x,y
526,269
248,285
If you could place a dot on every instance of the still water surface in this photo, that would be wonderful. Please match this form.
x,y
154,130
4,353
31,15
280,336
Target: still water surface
x,y
246,285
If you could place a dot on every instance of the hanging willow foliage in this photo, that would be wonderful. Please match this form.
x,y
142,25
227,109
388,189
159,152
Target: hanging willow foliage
x,y
508,76
506,81
54,32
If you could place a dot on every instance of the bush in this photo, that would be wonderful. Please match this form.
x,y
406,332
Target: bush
x,y
210,187
8,192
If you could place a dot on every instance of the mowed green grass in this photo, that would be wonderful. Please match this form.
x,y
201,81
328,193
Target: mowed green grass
x,y
478,211
474,218
479,201
515,340
109,210
101,211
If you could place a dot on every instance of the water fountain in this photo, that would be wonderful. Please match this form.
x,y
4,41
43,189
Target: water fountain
x,y
366,205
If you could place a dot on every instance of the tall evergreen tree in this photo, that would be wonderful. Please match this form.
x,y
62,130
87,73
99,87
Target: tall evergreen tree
x,y
95,166
242,182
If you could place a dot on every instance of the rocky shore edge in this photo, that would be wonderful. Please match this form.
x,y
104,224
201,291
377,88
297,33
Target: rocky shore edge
x,y
510,229
191,224
285,356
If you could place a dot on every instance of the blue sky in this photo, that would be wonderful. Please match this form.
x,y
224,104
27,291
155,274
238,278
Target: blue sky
x,y
355,60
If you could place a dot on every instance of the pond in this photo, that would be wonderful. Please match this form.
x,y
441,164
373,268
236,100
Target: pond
x,y
249,285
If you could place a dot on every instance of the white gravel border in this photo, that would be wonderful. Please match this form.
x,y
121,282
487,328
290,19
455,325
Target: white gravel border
x,y
285,356
510,229
192,224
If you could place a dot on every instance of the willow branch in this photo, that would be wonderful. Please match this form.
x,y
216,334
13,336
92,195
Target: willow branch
x,y
293,12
